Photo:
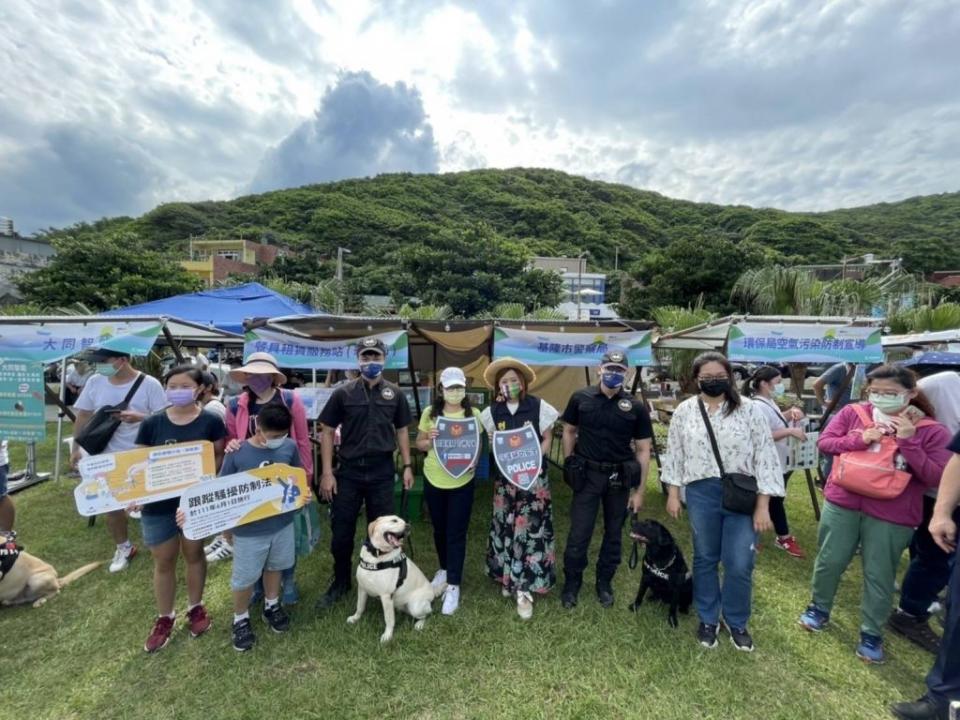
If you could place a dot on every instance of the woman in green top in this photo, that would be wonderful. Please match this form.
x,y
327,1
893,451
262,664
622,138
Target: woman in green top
x,y
449,499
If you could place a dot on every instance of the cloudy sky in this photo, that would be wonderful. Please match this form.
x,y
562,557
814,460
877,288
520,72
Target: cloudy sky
x,y
110,108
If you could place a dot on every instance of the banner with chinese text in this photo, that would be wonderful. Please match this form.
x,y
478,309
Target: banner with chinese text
x,y
113,481
22,401
570,349
242,498
301,353
48,343
811,343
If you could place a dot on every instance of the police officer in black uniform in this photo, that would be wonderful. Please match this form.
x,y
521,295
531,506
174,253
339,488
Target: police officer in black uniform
x,y
600,422
373,416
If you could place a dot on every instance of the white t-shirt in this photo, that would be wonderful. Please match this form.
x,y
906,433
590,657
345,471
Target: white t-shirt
x,y
776,421
99,392
215,407
943,392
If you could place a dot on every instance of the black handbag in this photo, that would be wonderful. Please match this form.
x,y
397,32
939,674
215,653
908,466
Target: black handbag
x,y
96,434
739,490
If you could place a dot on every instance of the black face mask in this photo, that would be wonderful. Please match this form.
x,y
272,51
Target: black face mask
x,y
714,388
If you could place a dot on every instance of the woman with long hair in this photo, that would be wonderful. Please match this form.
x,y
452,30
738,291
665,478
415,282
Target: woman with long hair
x,y
721,535
895,423
764,386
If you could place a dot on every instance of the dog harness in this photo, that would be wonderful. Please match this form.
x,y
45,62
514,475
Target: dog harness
x,y
662,572
9,553
398,562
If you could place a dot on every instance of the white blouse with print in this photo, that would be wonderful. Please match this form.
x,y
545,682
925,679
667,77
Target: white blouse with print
x,y
746,446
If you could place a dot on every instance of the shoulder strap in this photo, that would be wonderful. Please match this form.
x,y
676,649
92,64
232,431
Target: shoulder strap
x,y
133,391
832,405
775,407
713,439
234,404
862,414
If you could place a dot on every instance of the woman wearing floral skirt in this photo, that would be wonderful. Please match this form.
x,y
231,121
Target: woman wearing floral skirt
x,y
520,553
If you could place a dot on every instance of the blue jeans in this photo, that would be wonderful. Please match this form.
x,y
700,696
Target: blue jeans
x,y
720,536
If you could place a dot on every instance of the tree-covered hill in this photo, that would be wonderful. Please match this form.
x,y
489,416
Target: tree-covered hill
x,y
463,238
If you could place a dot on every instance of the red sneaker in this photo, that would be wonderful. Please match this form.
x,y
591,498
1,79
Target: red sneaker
x,y
198,621
790,544
160,635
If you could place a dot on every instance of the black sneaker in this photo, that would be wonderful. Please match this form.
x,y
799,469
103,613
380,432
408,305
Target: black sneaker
x,y
276,617
333,594
707,635
568,599
916,630
922,709
741,639
243,637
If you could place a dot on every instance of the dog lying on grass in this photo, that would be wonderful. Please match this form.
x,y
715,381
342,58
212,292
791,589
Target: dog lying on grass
x,y
25,578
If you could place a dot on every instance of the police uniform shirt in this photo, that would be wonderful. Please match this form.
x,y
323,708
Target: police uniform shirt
x,y
369,417
605,426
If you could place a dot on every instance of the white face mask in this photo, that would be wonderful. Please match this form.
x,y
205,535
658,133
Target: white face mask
x,y
274,443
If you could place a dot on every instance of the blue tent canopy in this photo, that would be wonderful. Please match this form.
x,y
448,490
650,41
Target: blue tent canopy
x,y
223,308
933,358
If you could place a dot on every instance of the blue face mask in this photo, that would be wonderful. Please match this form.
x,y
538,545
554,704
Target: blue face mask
x,y
371,371
612,380
106,369
779,390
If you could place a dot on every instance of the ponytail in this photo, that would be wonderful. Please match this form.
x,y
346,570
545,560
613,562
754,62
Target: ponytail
x,y
764,373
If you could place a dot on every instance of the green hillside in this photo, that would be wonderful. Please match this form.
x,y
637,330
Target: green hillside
x,y
467,234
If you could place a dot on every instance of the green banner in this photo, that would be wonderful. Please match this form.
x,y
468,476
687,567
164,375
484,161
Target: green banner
x,y
49,342
571,349
291,351
22,401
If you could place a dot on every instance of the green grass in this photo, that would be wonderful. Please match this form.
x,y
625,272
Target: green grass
x,y
81,656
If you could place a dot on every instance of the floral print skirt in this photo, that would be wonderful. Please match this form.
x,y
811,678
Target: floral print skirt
x,y
520,552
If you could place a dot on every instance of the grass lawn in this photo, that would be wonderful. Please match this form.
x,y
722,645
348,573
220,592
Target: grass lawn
x,y
81,655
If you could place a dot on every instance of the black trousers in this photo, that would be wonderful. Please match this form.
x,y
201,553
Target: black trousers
x,y
943,682
929,570
583,516
366,481
450,515
778,511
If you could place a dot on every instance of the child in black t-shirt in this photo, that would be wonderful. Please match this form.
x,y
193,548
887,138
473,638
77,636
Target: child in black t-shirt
x,y
183,421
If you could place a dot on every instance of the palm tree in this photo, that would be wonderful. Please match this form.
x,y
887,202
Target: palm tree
x,y
671,318
515,311
777,290
424,312
945,316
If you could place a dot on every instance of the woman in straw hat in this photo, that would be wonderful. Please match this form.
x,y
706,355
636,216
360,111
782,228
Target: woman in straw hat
x,y
520,553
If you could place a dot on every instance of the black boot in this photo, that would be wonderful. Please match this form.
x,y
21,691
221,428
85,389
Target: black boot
x,y
922,709
605,593
337,589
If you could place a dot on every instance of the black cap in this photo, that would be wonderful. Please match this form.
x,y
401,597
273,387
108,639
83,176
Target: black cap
x,y
101,354
614,357
371,344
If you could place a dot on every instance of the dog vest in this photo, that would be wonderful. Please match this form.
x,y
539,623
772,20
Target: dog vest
x,y
9,553
398,562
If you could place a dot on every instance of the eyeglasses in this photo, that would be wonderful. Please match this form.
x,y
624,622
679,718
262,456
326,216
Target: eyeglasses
x,y
887,393
713,377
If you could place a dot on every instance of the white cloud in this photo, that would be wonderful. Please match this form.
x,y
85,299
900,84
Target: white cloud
x,y
805,105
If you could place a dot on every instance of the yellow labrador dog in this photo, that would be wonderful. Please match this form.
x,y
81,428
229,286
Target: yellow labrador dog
x,y
387,573
28,579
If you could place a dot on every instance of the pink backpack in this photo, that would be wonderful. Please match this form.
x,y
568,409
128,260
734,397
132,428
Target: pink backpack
x,y
872,472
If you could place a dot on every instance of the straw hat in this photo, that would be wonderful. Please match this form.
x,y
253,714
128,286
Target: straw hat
x,y
494,368
259,363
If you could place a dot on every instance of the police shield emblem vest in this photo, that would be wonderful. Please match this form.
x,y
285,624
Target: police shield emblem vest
x,y
457,447
517,454
625,405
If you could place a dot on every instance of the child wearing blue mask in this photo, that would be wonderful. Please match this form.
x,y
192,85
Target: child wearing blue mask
x,y
265,547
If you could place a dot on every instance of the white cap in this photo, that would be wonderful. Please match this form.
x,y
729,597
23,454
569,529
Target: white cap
x,y
453,376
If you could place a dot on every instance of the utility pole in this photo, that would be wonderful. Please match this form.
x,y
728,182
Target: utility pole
x,y
580,263
339,276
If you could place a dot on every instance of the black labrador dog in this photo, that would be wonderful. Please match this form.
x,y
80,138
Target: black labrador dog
x,y
665,572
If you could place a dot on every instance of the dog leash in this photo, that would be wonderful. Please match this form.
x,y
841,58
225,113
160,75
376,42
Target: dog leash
x,y
405,514
635,552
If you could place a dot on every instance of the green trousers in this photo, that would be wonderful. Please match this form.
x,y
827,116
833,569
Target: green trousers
x,y
881,545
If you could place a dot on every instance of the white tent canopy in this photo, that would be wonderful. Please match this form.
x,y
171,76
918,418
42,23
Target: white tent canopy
x,y
713,335
923,338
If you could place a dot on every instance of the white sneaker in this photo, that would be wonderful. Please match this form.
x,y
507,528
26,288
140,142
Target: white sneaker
x,y
135,514
122,558
439,579
224,552
525,605
213,546
451,599
505,591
